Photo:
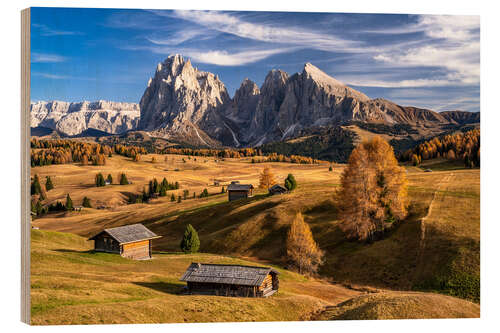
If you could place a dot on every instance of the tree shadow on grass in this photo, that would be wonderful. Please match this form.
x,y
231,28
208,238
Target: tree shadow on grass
x,y
165,287
75,251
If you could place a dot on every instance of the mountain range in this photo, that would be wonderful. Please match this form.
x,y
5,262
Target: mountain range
x,y
184,104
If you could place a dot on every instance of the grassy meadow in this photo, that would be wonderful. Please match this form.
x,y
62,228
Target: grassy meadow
x,y
436,249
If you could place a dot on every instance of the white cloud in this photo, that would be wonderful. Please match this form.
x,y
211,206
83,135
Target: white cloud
x,y
455,47
46,57
223,58
51,76
232,24
46,31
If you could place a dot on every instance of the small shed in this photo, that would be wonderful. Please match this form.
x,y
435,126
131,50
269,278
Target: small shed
x,y
131,241
277,189
231,280
236,191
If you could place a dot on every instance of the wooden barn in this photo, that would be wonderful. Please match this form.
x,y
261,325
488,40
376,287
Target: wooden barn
x,y
130,241
277,189
231,280
236,191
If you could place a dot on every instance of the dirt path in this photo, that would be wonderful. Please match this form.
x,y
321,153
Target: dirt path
x,y
420,256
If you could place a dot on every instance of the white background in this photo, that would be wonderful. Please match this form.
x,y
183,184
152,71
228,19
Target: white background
x,y
490,127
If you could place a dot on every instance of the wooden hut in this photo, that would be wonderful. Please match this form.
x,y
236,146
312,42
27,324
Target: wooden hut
x,y
236,191
277,189
231,280
130,241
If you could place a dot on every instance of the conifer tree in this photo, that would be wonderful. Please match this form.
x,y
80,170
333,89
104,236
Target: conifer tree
x,y
163,191
69,203
110,179
290,182
179,199
301,248
35,186
123,179
48,184
145,196
156,186
373,190
185,194
172,197
330,168
190,242
86,202
99,180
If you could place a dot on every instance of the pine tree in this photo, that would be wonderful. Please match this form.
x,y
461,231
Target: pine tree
x,y
176,185
266,178
35,186
110,179
145,196
48,184
290,182
179,199
99,180
185,193
156,186
373,190
190,242
69,203
123,179
330,168
86,202
301,248
172,197
163,191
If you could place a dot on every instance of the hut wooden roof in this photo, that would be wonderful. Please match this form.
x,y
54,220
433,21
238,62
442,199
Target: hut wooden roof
x,y
129,233
226,274
239,187
278,188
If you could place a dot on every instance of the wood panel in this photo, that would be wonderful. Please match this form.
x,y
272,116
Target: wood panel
x,y
137,250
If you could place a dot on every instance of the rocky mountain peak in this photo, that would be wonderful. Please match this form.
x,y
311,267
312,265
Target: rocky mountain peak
x,y
247,88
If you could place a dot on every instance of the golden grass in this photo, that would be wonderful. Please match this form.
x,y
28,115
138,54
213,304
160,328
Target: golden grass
x,y
72,285
448,260
400,305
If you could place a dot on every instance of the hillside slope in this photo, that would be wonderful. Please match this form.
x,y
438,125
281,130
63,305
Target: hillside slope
x,y
399,305
70,284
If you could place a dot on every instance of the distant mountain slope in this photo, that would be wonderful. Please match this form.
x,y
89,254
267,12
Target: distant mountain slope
x,y
74,118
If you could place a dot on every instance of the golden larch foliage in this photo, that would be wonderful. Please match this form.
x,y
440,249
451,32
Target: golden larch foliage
x,y
301,248
266,179
373,192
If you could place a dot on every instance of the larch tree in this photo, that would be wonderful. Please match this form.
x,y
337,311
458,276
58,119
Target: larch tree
x,y
301,248
266,179
373,191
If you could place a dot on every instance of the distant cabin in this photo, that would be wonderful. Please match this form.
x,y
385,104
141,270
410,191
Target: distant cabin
x,y
277,189
231,280
130,241
236,191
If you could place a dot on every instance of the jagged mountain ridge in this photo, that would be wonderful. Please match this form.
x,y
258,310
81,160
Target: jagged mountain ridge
x,y
75,118
191,106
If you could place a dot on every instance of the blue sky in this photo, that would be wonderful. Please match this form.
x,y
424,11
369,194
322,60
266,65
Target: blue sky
x,y
429,61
